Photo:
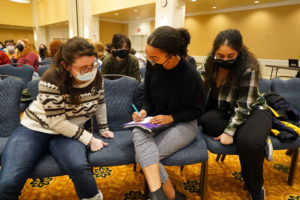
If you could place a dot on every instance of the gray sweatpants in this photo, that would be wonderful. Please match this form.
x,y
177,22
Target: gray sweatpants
x,y
151,148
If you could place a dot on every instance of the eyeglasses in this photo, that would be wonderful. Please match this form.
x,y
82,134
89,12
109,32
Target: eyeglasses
x,y
87,68
228,61
153,63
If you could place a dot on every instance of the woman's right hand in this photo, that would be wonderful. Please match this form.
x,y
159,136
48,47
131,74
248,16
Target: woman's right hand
x,y
140,117
97,144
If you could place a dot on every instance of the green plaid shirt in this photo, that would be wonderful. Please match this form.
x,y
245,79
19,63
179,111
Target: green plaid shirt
x,y
240,101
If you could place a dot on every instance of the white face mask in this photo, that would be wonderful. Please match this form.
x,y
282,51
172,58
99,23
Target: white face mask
x,y
10,48
87,76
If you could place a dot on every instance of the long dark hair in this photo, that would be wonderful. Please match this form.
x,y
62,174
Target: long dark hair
x,y
67,53
169,40
119,40
245,59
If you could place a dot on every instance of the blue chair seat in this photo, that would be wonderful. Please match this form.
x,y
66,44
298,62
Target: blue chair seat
x,y
196,152
278,145
120,151
216,147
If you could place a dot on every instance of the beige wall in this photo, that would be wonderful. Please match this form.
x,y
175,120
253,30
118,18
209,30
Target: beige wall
x,y
270,33
152,26
52,11
15,14
108,29
15,34
103,6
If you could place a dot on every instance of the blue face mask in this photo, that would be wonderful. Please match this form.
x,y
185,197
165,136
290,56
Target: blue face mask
x,y
87,76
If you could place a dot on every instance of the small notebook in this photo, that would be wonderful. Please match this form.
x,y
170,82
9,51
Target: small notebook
x,y
147,125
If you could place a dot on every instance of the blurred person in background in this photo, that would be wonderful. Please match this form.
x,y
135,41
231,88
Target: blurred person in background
x,y
10,49
100,53
43,52
142,60
120,61
26,54
2,46
4,58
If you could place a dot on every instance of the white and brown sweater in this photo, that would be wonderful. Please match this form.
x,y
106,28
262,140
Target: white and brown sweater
x,y
53,113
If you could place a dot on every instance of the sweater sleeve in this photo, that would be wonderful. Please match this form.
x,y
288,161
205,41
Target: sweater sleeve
x,y
54,106
30,59
195,110
106,65
247,94
101,115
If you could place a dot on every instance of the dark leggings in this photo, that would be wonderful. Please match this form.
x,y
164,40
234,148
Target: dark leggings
x,y
250,141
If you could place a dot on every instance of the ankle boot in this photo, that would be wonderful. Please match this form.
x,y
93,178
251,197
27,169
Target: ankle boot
x,y
158,195
98,196
179,195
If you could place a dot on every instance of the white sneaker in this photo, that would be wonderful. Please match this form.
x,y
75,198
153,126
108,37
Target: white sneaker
x,y
98,196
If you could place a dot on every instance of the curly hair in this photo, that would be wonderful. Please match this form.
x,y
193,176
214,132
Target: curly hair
x,y
29,47
54,46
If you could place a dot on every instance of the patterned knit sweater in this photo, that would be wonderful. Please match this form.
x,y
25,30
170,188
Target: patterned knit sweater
x,y
53,113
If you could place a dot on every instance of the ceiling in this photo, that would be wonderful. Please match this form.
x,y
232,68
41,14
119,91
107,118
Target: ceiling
x,y
203,6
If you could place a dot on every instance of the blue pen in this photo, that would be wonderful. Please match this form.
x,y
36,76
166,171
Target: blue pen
x,y
136,110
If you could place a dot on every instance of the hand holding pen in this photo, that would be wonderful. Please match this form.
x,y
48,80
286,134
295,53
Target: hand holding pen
x,y
138,115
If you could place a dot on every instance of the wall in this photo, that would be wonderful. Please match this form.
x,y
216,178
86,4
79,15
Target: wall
x,y
52,11
15,14
57,33
270,33
15,34
103,6
108,29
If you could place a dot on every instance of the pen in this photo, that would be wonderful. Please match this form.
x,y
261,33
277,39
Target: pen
x,y
136,110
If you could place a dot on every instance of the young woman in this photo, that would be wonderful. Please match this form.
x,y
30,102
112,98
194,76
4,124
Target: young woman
x,y
120,61
70,92
236,111
26,54
173,94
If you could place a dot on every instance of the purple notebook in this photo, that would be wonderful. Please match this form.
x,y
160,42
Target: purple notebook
x,y
147,125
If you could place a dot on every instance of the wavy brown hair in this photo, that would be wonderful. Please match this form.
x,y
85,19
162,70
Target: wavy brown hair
x,y
66,55
54,46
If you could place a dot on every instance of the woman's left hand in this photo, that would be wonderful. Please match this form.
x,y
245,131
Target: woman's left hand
x,y
225,139
162,119
108,134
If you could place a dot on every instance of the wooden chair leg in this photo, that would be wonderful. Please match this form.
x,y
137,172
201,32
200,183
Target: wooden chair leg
x,y
223,157
293,166
203,180
181,168
146,190
218,157
134,167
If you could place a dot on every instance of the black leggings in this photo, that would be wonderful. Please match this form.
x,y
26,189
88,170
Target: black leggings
x,y
250,141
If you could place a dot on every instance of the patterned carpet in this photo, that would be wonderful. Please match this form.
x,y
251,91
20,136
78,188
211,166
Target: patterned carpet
x,y
224,182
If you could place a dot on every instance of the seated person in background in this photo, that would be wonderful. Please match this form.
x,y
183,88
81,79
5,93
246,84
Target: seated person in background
x,y
236,111
26,54
2,46
186,41
53,123
140,57
4,59
10,49
120,61
174,93
43,52
108,48
100,52
53,47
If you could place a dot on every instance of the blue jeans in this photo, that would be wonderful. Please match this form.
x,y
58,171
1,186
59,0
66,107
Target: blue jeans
x,y
26,147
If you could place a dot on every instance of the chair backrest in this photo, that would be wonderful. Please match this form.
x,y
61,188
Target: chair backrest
x,y
33,87
289,89
264,85
46,61
41,70
10,95
119,97
25,72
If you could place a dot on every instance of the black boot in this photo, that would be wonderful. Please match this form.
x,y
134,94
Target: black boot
x,y
158,195
179,195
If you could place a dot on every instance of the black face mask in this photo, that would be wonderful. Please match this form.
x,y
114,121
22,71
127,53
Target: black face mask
x,y
122,53
42,52
20,47
227,64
